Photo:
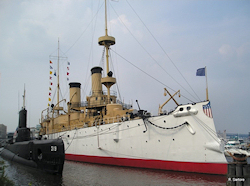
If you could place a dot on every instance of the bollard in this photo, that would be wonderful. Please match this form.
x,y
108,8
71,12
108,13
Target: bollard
x,y
239,174
238,171
231,174
246,174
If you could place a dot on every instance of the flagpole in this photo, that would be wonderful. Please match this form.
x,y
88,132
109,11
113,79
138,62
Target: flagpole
x,y
58,86
206,83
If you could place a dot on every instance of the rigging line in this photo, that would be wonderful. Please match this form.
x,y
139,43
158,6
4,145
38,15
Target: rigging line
x,y
108,132
163,51
207,128
85,28
114,75
202,123
149,74
84,90
94,133
53,52
102,58
71,141
152,56
53,96
92,41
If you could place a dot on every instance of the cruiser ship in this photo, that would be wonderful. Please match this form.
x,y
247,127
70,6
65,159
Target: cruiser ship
x,y
104,130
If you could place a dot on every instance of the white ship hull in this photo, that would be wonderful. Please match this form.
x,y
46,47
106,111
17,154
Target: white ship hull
x,y
182,141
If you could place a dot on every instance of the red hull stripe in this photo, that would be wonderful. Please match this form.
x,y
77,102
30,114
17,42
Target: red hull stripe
x,y
209,168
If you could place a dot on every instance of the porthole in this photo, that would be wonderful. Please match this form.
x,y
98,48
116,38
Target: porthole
x,y
188,108
181,109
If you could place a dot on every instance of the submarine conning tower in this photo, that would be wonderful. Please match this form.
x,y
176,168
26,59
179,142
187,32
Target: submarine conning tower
x,y
22,118
22,130
75,94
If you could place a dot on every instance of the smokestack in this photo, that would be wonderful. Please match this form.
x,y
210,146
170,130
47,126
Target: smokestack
x,y
96,81
75,94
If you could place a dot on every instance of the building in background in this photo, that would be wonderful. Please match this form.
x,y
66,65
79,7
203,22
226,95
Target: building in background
x,y
3,131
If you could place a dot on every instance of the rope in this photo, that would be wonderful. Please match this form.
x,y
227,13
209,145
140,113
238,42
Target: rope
x,y
210,131
148,74
85,28
71,141
153,57
236,158
165,54
167,128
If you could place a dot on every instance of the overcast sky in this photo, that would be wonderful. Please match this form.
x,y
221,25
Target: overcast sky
x,y
191,35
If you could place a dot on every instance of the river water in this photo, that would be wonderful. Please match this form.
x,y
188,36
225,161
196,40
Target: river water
x,y
84,174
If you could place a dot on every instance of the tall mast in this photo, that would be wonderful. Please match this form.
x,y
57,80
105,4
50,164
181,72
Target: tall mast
x,y
107,41
106,34
58,85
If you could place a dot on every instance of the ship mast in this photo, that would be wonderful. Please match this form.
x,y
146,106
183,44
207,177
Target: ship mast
x,y
107,41
58,84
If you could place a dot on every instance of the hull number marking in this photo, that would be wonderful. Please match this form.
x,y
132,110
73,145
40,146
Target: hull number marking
x,y
53,148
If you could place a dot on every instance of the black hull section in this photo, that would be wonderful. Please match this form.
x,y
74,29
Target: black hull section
x,y
47,155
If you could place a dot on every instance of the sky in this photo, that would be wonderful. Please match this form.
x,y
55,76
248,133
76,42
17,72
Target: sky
x,y
159,44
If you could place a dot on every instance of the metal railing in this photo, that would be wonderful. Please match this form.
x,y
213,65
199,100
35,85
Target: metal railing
x,y
85,125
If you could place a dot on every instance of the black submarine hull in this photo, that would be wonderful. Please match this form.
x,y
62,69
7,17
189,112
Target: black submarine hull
x,y
47,155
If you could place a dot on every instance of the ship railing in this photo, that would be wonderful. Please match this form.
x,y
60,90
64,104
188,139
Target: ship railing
x,y
124,105
103,92
97,122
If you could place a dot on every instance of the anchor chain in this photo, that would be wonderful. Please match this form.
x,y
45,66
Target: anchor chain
x,y
167,128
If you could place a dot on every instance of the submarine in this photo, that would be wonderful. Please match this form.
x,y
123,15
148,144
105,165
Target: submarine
x,y
45,154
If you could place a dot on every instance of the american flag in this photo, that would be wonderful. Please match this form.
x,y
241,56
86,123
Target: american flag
x,y
208,110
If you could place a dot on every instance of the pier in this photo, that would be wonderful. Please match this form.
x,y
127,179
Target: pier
x,y
238,171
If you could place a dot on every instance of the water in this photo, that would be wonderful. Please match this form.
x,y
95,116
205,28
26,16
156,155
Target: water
x,y
84,174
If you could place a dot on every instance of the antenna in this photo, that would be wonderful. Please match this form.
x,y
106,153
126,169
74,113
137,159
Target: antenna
x,y
24,98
